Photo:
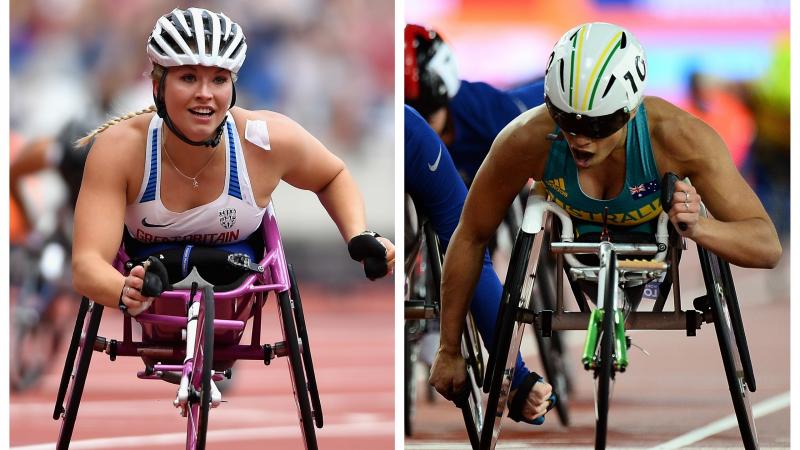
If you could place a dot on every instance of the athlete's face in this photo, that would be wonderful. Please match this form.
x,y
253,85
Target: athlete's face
x,y
588,152
197,98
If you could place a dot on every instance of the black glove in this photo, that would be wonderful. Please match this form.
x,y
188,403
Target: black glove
x,y
667,191
365,247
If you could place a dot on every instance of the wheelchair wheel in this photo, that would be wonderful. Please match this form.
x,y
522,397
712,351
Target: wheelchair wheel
x,y
507,339
507,314
200,378
605,361
720,300
83,351
34,342
295,362
300,319
410,381
471,406
551,350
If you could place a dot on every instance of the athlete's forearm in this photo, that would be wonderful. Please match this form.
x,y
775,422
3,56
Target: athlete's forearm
x,y
462,267
747,243
96,279
345,204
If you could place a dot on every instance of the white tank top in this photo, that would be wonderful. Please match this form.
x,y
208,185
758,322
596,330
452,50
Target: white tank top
x,y
232,217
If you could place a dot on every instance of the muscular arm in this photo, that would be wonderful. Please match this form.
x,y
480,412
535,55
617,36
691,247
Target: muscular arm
x,y
99,218
310,166
515,156
740,231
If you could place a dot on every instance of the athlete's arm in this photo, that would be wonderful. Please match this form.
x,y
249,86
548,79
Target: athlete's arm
x,y
740,231
99,217
308,165
517,154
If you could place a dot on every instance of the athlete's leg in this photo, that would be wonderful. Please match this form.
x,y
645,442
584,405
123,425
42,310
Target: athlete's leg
x,y
484,308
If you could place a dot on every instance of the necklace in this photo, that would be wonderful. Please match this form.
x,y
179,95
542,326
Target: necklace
x,y
195,184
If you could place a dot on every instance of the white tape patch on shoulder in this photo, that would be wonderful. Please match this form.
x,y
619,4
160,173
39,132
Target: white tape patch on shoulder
x,y
256,132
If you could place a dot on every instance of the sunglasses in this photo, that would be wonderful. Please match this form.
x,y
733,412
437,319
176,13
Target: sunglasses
x,y
591,127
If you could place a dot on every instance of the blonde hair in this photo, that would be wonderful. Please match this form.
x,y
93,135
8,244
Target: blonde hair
x,y
155,74
89,137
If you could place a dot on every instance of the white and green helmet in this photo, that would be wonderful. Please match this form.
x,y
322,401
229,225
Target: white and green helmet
x,y
595,78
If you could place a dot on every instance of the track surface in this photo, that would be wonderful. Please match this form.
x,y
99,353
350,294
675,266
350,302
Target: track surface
x,y
678,389
357,392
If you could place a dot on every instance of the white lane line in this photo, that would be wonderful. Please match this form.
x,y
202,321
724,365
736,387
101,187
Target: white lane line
x,y
508,445
764,408
240,434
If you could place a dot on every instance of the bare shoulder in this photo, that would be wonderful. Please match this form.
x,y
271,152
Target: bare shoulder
x,y
525,141
124,141
284,133
679,138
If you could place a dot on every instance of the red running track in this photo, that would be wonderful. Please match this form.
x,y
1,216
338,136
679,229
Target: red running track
x,y
352,341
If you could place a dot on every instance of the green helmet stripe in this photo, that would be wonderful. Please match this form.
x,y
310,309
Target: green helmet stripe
x,y
578,68
616,38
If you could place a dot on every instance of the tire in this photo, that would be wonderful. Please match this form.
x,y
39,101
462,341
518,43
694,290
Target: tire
x,y
410,381
725,327
507,313
308,363
605,369
200,382
301,393
84,352
508,335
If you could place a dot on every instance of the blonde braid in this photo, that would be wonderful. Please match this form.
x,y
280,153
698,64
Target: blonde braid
x,y
88,138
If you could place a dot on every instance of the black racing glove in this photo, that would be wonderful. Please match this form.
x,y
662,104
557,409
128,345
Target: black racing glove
x,y
366,248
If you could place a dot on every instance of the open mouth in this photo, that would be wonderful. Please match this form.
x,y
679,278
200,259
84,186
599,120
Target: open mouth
x,y
202,112
581,157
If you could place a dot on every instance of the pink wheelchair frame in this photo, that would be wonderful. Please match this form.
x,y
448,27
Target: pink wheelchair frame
x,y
182,342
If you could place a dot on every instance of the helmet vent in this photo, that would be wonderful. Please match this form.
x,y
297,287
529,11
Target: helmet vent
x,y
608,86
170,41
624,41
561,73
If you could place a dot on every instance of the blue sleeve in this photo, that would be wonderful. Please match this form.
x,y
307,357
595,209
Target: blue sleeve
x,y
479,112
529,95
431,178
438,192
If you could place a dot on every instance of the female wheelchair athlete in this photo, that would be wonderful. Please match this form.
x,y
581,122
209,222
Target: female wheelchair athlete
x,y
191,337
618,287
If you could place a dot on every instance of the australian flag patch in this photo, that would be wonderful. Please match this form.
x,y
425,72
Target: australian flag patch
x,y
644,189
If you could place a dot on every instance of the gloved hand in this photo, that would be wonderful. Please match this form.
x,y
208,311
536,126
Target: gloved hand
x,y
376,252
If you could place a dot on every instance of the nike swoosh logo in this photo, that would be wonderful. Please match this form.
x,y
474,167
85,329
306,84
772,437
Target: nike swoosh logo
x,y
150,225
435,164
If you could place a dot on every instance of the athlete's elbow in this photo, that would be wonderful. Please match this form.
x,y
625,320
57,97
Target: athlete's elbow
x,y
80,270
772,255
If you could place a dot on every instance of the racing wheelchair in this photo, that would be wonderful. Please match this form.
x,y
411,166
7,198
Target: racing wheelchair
x,y
615,285
191,337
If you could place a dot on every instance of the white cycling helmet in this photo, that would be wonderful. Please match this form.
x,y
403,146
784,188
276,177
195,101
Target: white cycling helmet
x,y
594,79
197,36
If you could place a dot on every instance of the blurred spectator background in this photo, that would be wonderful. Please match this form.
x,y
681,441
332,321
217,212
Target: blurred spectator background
x,y
327,64
726,62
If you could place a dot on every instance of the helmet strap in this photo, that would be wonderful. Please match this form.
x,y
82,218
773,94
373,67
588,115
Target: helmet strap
x,y
161,110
